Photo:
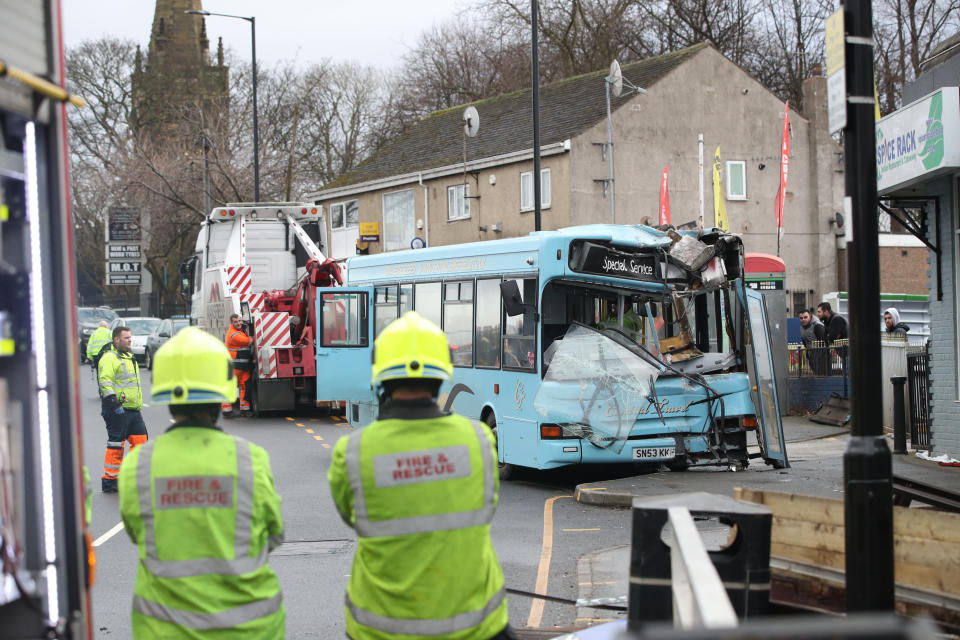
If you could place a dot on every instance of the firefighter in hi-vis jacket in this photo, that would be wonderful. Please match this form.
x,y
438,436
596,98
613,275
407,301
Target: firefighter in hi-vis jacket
x,y
238,344
419,486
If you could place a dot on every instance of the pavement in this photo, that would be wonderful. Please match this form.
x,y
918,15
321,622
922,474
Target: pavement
x,y
808,444
816,455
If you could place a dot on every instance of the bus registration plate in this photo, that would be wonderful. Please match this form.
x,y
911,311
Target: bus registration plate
x,y
654,453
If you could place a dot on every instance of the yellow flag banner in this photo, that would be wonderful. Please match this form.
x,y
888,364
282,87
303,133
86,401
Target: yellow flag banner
x,y
719,203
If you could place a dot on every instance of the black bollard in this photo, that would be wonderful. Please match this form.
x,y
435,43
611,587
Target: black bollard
x,y
899,424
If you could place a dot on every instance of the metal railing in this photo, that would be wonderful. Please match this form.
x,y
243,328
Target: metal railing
x,y
821,359
699,597
918,384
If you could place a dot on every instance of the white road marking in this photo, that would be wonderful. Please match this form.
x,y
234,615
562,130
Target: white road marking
x,y
117,528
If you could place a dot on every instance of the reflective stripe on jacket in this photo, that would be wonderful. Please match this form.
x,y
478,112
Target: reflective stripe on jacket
x,y
100,337
202,509
238,344
119,375
421,494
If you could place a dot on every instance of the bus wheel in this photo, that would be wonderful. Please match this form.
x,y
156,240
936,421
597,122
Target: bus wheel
x,y
678,465
505,469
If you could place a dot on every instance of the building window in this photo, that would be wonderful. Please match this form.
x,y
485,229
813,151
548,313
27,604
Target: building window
x,y
345,227
736,180
344,215
399,227
458,321
458,202
526,190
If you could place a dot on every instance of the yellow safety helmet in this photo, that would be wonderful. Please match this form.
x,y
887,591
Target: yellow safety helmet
x,y
411,347
193,367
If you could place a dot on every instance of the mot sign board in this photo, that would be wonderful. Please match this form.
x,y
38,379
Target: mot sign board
x,y
123,273
836,72
123,224
919,141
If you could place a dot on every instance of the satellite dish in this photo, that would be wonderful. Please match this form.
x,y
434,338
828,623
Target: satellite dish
x,y
471,121
615,78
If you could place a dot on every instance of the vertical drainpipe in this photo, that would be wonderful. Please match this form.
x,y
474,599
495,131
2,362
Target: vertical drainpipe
x,y
426,210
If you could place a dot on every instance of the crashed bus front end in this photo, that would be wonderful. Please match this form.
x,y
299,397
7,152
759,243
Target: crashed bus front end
x,y
673,370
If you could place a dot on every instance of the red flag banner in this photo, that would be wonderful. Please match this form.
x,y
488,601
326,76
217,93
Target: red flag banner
x,y
664,198
784,162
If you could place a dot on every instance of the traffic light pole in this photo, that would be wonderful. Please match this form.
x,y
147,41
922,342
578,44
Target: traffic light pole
x,y
867,460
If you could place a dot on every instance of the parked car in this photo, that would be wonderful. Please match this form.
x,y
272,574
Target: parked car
x,y
140,328
163,332
88,319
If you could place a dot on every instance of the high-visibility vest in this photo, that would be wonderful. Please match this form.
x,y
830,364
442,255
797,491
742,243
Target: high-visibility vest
x,y
100,337
119,374
201,507
421,494
238,344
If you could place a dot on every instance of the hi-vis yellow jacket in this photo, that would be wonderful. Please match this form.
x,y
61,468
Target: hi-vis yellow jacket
x,y
420,488
119,374
202,509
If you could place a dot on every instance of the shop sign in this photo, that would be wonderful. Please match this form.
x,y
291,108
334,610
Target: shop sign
x,y
919,141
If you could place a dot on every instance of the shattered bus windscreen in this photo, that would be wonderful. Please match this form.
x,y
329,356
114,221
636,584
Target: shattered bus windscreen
x,y
594,387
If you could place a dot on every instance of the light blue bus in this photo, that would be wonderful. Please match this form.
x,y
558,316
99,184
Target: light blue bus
x,y
595,344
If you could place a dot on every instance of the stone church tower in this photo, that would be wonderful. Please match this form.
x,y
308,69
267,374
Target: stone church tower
x,y
178,83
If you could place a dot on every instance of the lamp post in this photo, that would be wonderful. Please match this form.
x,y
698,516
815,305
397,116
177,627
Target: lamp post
x,y
253,57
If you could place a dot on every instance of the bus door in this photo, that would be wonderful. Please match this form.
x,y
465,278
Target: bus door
x,y
763,386
344,344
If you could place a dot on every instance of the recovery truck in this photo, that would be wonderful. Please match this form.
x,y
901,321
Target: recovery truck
x,y
264,261
47,560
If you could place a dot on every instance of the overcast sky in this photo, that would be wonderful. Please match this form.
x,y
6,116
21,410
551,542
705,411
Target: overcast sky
x,y
372,32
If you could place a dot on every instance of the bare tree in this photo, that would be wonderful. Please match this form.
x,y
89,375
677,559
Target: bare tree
x,y
576,36
788,43
906,32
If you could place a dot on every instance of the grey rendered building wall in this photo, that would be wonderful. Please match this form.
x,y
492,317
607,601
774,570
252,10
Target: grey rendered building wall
x,y
945,409
945,74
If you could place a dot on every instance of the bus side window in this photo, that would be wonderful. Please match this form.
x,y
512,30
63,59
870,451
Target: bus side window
x,y
519,332
344,320
384,307
406,298
458,321
488,323
426,301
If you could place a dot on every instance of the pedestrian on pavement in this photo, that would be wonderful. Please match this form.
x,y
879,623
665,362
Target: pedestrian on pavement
x,y
101,337
835,325
893,324
420,487
811,329
238,343
202,509
813,334
120,402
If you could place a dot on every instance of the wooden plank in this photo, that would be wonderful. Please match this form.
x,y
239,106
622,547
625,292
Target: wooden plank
x,y
927,577
795,506
931,553
823,557
814,535
927,523
805,528
921,523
